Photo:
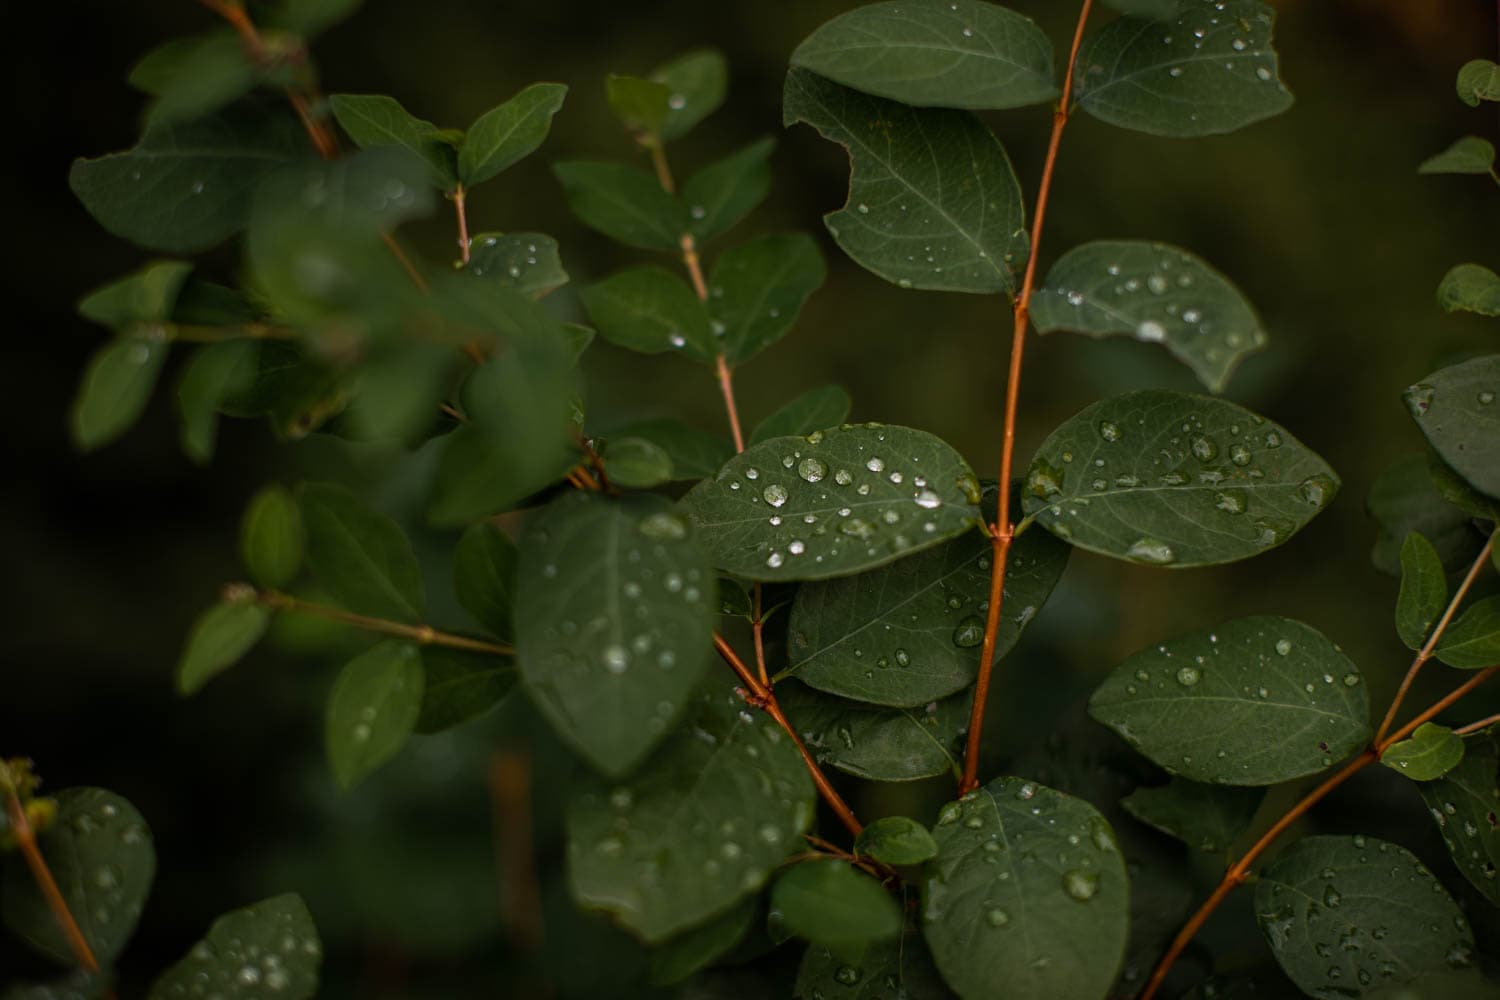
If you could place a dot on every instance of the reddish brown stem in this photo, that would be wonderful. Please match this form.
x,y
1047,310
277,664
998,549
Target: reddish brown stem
x,y
25,836
1003,531
423,634
1475,727
459,209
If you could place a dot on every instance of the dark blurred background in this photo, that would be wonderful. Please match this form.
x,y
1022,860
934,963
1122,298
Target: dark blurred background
x,y
1318,215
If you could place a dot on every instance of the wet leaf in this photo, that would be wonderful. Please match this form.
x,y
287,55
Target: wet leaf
x,y
881,744
373,709
359,555
1469,155
1158,10
695,453
1470,288
898,969
526,262
1254,701
1472,641
508,132
831,903
267,949
1465,804
460,686
1456,409
756,291
636,463
624,203
116,386
376,120
271,538
723,193
698,81
1430,752
1206,817
896,840
220,637
1424,590
1478,80
701,946
484,577
651,310
815,410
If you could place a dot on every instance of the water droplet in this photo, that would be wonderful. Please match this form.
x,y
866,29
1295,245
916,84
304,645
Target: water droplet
x,y
969,633
774,560
1230,503
775,495
997,917
1316,490
1331,897
1283,646
1081,885
812,470
664,526
847,974
1188,676
1109,432
1239,455
1419,399
949,813
875,464
1151,550
1204,448
677,102
1151,332
1351,679
616,659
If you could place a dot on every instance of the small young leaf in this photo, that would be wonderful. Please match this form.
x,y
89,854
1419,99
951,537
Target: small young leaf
x,y
723,193
835,905
933,201
833,503
1469,155
1478,80
1458,410
700,946
372,710
271,538
935,53
1175,479
268,949
1207,70
214,373
641,105
484,577
220,637
1255,701
756,291
526,262
1023,878
624,203
650,310
695,453
100,853
192,77
1404,499
716,808
900,968
1154,293
1430,752
1472,642
614,622
896,840
376,120
1424,590
1394,919
116,386
880,744
1470,288
697,81
815,410
147,296
1206,817
1465,803
361,556
636,463
508,132
460,686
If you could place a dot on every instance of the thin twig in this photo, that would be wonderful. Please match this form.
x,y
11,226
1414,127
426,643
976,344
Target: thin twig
x,y
25,837
1475,727
423,634
460,209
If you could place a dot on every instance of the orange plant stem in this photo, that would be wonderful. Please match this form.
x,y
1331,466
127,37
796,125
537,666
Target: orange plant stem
x,y
461,210
26,840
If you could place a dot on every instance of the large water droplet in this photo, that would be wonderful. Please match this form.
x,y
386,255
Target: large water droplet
x,y
616,659
1081,885
1188,676
969,633
664,526
1151,550
775,494
812,470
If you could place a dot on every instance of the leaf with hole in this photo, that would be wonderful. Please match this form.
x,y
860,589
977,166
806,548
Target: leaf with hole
x,y
1255,701
1458,411
878,743
526,262
1470,288
377,120
697,82
1469,155
373,709
359,555
220,637
1472,641
1424,590
756,291
650,310
896,840
723,193
1206,817
1430,752
508,132
1465,805
933,201
833,904
624,203
1174,479
267,949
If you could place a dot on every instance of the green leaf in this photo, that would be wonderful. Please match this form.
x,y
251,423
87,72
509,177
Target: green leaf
x,y
526,262
1456,410
220,637
910,632
624,203
1255,701
833,503
933,202
1472,642
1404,499
1158,10
1465,803
698,81
193,77
935,53
484,577
1478,80
881,744
360,556
460,686
1470,288
1175,479
213,374
1424,590
898,969
76,985
700,946
723,193
309,17
268,949
116,386
508,132
1157,294
896,840
1356,910
641,105
1452,487
835,905
372,710
614,620
1469,155
147,296
650,310
271,538
701,826
636,463
1207,70
815,410
756,291
1028,897
1206,817
695,453
100,853
1430,752
376,120
186,186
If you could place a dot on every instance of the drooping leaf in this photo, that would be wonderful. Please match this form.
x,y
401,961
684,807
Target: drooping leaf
x,y
265,950
1404,499
881,744
1254,701
933,201
484,577
359,555
1472,641
833,503
910,632
757,289
1430,752
1456,410
898,969
1470,288
831,903
624,203
271,538
100,853
702,825
377,120
698,947
147,296
1175,479
639,104
459,686
192,77
636,463
1478,80
695,453
213,374
1424,590
220,637
614,616
1206,817
116,386
1156,294
1349,915
935,53
526,262
1208,69
186,186
723,193
815,410
1469,155
508,132
373,709
650,310
1028,897
698,81
896,840
1465,804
